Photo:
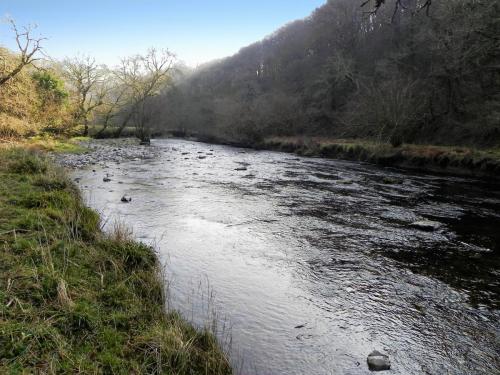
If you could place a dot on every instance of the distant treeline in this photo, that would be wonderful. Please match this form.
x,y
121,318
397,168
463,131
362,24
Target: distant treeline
x,y
404,73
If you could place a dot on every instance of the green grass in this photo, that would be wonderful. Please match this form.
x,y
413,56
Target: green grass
x,y
57,145
74,300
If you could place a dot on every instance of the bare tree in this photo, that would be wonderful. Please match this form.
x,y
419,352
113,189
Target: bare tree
x,y
144,76
29,48
114,100
86,79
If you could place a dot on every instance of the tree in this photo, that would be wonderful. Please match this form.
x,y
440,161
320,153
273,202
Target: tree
x,y
86,79
347,74
29,48
114,100
52,110
144,76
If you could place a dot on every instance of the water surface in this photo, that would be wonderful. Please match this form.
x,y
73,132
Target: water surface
x,y
313,262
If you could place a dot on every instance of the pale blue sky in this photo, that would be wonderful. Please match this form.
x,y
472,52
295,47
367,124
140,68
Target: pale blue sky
x,y
197,31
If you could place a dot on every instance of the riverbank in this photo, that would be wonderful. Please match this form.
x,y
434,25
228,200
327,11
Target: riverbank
x,y
76,300
460,161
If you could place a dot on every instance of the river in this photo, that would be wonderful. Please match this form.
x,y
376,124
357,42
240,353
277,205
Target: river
x,y
313,263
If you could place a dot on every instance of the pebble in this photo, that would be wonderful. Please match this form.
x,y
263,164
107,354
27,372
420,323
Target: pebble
x,y
105,151
378,361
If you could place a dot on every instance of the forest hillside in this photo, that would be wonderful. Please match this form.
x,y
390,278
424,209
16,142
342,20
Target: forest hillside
x,y
402,74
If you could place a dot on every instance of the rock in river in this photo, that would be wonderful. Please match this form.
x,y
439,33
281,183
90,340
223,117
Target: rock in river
x,y
378,361
426,225
126,199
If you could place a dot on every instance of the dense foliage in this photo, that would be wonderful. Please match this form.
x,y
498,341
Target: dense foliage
x,y
32,101
403,76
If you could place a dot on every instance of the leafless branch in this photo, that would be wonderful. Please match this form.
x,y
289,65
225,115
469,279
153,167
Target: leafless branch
x,y
28,47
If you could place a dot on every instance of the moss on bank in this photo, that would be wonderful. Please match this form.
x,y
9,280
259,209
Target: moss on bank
x,y
74,300
440,159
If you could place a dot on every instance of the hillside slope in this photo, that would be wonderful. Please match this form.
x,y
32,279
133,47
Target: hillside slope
x,y
410,77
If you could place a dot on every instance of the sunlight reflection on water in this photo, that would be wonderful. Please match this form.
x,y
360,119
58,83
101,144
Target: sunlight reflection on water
x,y
324,246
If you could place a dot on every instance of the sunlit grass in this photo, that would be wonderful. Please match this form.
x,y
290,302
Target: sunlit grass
x,y
58,145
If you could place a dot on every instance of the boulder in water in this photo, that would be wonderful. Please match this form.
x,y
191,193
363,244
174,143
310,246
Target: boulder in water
x,y
426,225
378,361
126,199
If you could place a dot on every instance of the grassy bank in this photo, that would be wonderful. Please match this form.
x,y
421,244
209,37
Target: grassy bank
x,y
440,159
48,143
75,300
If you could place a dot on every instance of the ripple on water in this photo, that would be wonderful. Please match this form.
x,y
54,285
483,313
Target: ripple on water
x,y
314,261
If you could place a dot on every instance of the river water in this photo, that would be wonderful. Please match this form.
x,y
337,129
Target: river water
x,y
313,262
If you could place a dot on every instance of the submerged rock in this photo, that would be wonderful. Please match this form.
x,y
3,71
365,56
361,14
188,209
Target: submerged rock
x,y
126,199
241,169
426,225
391,181
106,179
345,182
378,361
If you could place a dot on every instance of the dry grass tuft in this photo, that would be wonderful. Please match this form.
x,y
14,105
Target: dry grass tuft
x,y
121,232
63,295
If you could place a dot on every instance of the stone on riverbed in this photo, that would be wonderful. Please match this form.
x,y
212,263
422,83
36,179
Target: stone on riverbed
x,y
426,225
126,199
378,361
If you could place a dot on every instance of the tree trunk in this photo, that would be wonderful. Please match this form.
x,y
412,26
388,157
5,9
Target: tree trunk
x,y
124,124
85,128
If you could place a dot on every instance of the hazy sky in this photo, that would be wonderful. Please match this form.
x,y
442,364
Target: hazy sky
x,y
197,31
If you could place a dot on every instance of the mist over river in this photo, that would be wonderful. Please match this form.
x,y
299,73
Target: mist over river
x,y
314,262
